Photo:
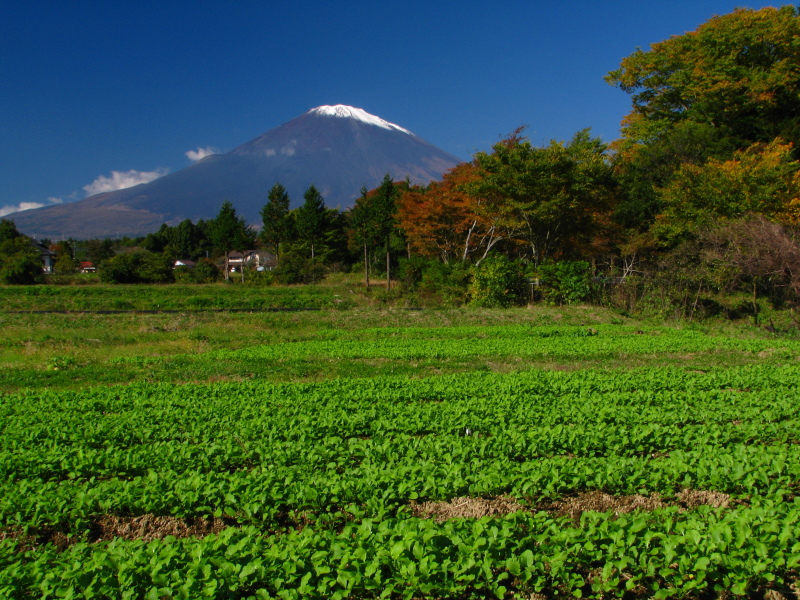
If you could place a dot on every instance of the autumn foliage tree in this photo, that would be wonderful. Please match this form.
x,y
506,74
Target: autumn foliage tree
x,y
761,179
444,220
737,73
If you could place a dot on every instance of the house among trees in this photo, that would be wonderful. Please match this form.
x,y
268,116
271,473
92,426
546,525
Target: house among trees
x,y
184,263
254,259
88,267
47,255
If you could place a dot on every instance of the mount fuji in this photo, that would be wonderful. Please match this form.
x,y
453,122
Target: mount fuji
x,y
338,149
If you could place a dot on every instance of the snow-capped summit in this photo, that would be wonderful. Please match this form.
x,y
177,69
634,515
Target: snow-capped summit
x,y
342,110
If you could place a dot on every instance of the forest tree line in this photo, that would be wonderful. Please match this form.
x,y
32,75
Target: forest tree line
x,y
699,196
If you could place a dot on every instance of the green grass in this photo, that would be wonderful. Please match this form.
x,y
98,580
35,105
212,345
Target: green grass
x,y
77,350
219,296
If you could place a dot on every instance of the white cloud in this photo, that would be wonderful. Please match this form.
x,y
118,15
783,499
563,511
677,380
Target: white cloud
x,y
290,148
13,208
200,153
10,208
269,152
120,180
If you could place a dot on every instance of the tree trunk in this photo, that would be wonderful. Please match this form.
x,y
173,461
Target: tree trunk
x,y
696,300
366,266
227,268
388,267
466,243
755,302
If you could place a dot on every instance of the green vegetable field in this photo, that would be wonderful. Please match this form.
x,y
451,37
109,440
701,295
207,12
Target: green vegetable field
x,y
609,461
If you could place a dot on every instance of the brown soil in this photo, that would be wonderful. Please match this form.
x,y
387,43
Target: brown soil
x,y
474,508
152,527
572,506
576,504
109,527
694,498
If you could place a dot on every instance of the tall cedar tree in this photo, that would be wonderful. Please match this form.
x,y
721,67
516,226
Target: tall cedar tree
x,y
311,218
229,233
277,221
185,240
188,240
383,213
361,229
8,230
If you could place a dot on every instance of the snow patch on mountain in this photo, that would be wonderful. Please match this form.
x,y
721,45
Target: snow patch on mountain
x,y
343,111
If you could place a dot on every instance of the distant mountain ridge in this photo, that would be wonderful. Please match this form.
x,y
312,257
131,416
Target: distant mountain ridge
x,y
338,149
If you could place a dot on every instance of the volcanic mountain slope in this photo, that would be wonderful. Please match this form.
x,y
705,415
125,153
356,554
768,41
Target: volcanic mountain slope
x,y
338,149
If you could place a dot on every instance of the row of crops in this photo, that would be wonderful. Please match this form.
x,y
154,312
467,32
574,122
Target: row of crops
x,y
521,341
410,350
314,488
172,298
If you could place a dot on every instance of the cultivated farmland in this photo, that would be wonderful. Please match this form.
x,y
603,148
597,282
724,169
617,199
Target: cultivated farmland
x,y
497,460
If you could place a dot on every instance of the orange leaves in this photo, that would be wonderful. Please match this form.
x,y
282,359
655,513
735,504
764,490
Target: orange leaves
x,y
438,220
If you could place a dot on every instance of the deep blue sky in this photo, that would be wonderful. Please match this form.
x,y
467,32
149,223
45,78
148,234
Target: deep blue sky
x,y
92,87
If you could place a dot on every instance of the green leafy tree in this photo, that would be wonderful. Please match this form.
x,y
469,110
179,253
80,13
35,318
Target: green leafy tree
x,y
497,282
186,240
96,251
65,264
158,240
736,73
155,268
762,179
205,271
137,267
20,262
549,198
296,268
361,231
644,169
278,226
8,230
310,219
